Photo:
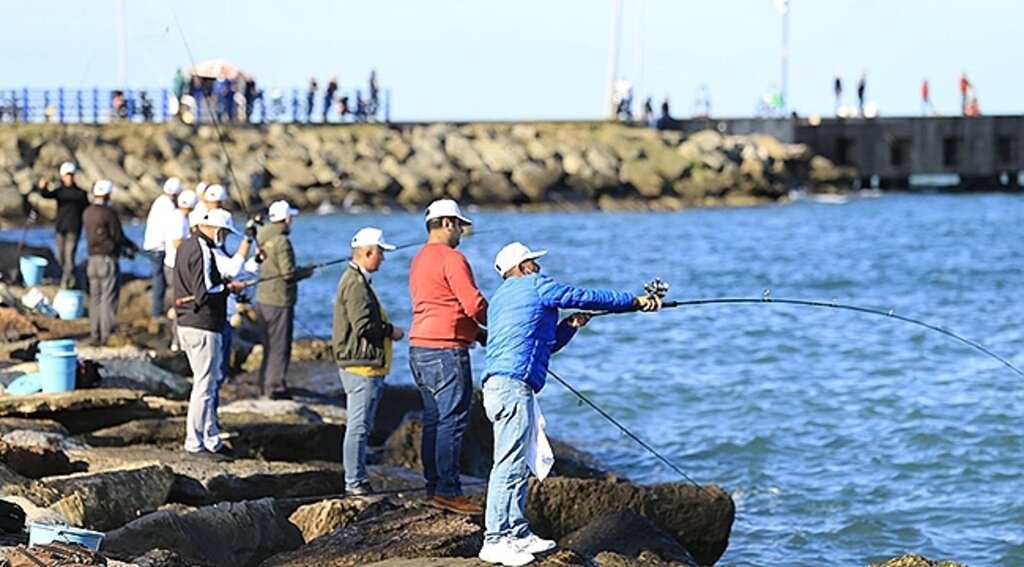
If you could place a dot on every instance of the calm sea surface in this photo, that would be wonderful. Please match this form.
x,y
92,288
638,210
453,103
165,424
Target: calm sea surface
x,y
844,438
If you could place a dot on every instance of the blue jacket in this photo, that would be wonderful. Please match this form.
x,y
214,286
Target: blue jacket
x,y
523,329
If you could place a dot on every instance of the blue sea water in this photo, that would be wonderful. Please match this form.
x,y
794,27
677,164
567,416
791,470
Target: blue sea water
x,y
843,438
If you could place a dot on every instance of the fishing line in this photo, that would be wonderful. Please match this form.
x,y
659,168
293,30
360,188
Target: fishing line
x,y
625,430
766,298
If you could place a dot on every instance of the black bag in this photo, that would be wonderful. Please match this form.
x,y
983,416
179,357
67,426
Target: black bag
x,y
87,375
12,517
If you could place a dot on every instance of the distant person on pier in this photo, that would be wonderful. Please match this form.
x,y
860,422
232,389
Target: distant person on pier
x,y
71,202
251,95
972,107
310,98
965,85
106,243
649,118
332,88
927,109
343,108
178,87
837,88
374,103
666,118
862,86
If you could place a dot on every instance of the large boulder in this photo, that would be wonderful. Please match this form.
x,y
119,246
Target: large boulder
x,y
325,516
108,499
87,410
535,180
915,560
34,454
628,534
699,518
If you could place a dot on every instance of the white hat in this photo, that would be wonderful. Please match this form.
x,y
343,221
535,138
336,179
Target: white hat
x,y
442,208
215,193
68,167
102,188
514,254
201,188
218,218
281,210
370,236
173,186
187,199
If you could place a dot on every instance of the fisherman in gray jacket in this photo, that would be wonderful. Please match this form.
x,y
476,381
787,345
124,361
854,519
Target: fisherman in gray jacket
x,y
362,344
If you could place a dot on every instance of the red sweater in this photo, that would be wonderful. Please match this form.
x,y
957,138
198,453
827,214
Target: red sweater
x,y
447,307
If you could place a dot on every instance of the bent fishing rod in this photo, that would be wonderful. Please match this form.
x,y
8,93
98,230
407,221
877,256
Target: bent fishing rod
x,y
659,288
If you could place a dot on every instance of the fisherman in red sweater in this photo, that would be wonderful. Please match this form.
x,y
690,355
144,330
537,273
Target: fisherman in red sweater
x,y
448,311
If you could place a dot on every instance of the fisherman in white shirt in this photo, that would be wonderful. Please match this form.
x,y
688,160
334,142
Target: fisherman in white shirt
x,y
176,230
161,212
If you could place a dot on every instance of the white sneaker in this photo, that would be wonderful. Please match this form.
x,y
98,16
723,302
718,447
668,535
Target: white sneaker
x,y
534,544
505,553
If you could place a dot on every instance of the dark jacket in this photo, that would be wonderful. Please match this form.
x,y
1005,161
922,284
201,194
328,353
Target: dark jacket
x,y
196,275
71,201
359,328
280,261
103,233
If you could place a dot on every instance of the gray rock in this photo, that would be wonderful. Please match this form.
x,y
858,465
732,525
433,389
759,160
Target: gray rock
x,y
641,175
291,172
108,499
461,152
500,156
628,534
84,410
536,180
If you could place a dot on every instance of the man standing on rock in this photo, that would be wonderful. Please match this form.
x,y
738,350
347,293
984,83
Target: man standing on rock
x,y
276,295
362,344
161,213
447,313
105,242
524,332
201,295
71,202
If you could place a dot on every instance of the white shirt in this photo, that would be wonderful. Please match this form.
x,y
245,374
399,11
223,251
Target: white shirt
x,y
156,222
176,228
236,268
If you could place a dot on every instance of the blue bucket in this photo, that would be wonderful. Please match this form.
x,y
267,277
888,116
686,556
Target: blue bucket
x,y
57,365
69,303
43,532
32,269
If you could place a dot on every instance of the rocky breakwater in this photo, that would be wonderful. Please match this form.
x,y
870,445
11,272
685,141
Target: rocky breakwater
x,y
527,165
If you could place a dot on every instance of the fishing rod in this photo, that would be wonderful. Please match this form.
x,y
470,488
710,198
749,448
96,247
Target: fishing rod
x,y
659,288
624,429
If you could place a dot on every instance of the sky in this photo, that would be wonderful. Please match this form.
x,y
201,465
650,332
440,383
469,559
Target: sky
x,y
538,59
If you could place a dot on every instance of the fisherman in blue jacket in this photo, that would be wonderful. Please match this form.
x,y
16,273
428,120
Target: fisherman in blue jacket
x,y
523,332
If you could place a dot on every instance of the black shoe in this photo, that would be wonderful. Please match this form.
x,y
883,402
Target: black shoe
x,y
361,490
280,395
217,457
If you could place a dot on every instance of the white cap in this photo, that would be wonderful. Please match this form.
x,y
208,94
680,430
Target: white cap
x,y
173,186
187,199
442,208
103,187
67,167
218,218
514,254
215,193
281,210
370,236
201,188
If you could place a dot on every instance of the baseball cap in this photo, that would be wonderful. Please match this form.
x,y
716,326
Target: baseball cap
x,y
370,236
280,210
173,186
103,187
218,218
215,193
514,254
442,208
201,188
68,167
187,199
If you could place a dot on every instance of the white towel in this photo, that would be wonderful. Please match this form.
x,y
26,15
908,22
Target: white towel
x,y
539,455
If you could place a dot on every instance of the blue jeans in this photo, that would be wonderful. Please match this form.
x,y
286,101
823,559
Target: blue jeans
x,y
156,259
445,382
362,394
509,405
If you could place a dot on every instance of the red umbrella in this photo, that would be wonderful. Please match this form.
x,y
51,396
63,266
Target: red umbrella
x,y
215,68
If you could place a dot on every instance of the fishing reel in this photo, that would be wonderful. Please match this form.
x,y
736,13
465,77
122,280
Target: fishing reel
x,y
656,288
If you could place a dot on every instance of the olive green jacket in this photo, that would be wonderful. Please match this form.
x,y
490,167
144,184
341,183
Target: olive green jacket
x,y
359,330
280,291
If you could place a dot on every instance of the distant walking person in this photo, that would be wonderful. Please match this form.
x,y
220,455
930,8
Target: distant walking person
x,y
276,295
162,212
447,313
837,88
374,94
201,296
927,109
862,85
310,98
362,344
71,202
332,88
178,87
106,242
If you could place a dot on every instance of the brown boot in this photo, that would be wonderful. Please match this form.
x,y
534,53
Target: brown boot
x,y
458,504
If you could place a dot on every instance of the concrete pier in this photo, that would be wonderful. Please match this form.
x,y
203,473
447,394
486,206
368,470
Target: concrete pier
x,y
986,152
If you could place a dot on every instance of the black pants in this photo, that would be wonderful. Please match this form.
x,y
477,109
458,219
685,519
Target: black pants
x,y
276,327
